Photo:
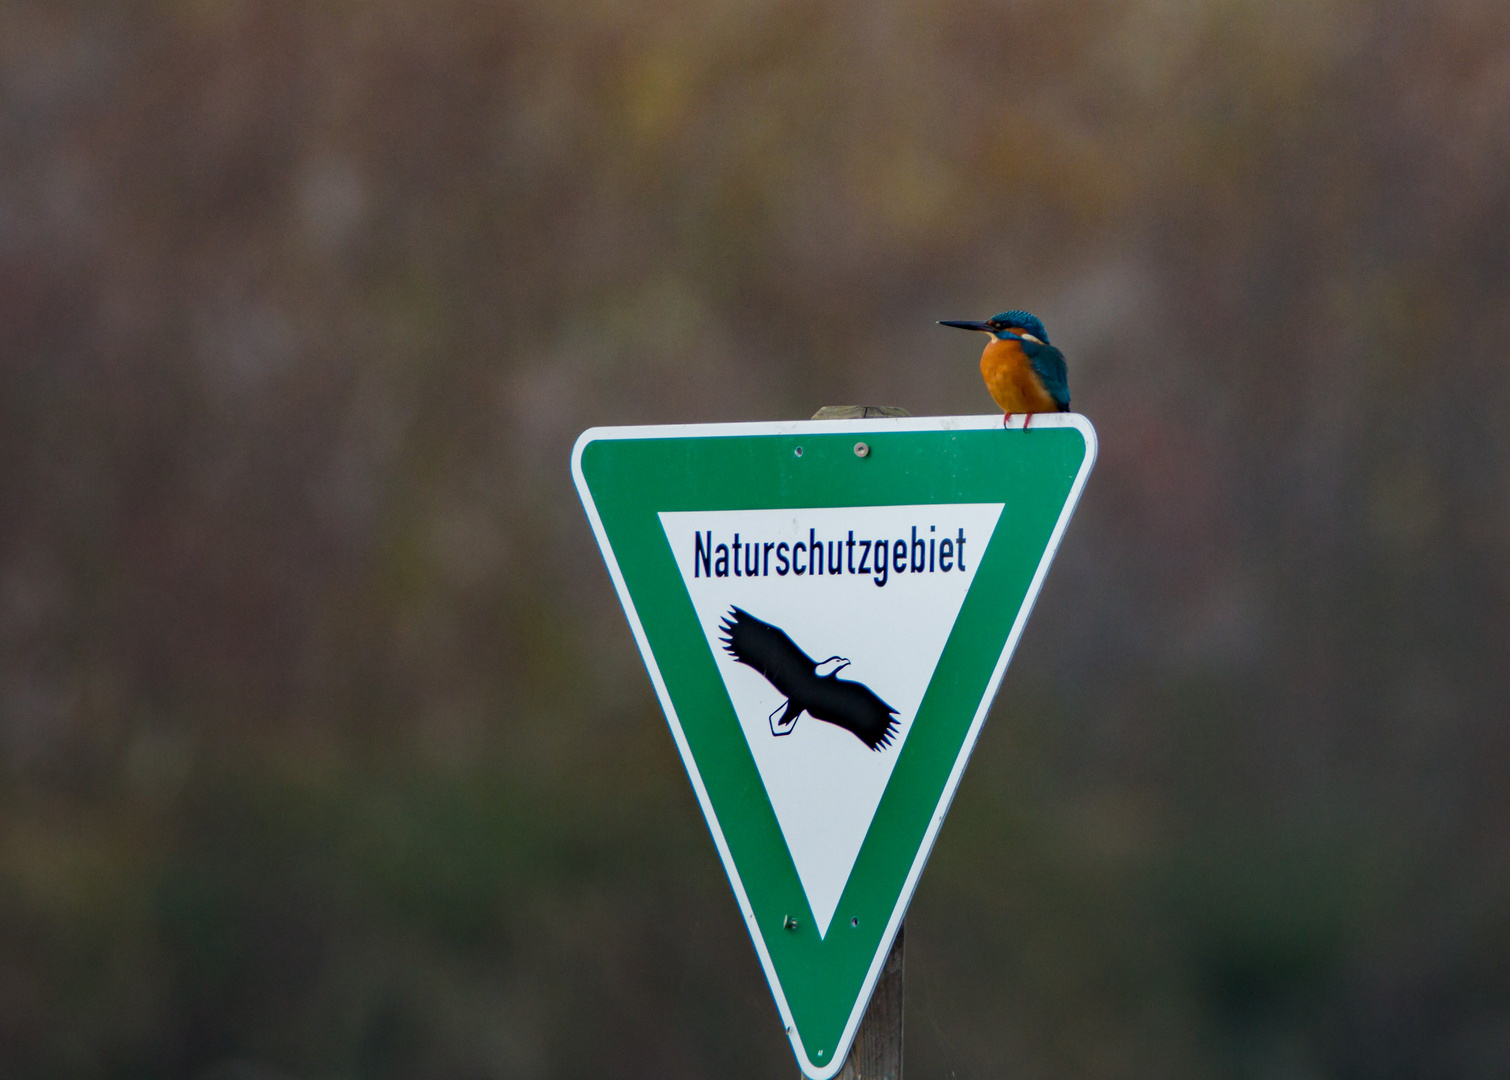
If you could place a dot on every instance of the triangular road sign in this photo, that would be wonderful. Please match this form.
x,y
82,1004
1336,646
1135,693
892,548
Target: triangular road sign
x,y
826,609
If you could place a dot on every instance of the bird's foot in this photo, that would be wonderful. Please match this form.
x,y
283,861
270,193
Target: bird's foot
x,y
1006,421
1026,417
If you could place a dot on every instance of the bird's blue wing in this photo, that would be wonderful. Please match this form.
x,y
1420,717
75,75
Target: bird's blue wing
x,y
1048,364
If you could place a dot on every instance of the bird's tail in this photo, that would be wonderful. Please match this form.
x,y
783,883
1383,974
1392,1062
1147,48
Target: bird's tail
x,y
789,713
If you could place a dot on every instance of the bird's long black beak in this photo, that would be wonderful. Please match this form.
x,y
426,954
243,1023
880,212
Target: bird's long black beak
x,y
982,327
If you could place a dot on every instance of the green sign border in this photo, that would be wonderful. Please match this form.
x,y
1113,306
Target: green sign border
x,y
627,476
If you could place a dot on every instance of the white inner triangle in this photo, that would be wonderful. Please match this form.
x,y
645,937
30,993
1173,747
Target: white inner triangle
x,y
823,781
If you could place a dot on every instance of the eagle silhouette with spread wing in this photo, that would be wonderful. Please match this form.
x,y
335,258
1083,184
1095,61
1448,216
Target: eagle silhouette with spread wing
x,y
850,705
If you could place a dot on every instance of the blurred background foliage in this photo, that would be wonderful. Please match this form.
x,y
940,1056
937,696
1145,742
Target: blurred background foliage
x,y
324,747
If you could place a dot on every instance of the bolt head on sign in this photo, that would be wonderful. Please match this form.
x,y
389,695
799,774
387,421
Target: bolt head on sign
x,y
826,610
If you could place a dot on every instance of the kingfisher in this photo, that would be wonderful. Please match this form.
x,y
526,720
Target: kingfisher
x,y
1023,372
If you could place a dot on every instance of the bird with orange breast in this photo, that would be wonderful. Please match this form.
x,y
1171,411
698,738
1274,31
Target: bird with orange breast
x,y
1023,372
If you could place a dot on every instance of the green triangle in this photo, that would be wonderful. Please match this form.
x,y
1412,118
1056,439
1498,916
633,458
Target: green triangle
x,y
629,477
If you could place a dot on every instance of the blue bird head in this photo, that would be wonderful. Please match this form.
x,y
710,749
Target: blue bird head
x,y
1004,325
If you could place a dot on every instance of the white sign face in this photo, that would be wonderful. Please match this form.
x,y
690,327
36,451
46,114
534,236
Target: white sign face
x,y
867,596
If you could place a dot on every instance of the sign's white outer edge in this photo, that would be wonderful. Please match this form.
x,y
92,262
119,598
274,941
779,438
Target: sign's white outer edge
x,y
830,427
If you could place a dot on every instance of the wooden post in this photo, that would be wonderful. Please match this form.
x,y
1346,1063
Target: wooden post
x,y
857,412
876,1053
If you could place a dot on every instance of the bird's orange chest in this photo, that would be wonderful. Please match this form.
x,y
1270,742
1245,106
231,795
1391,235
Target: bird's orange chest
x,y
1013,384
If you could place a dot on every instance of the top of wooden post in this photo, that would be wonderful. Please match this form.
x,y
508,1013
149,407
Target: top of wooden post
x,y
857,412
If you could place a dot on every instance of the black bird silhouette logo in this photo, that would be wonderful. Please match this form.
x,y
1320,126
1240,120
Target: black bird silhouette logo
x,y
851,705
